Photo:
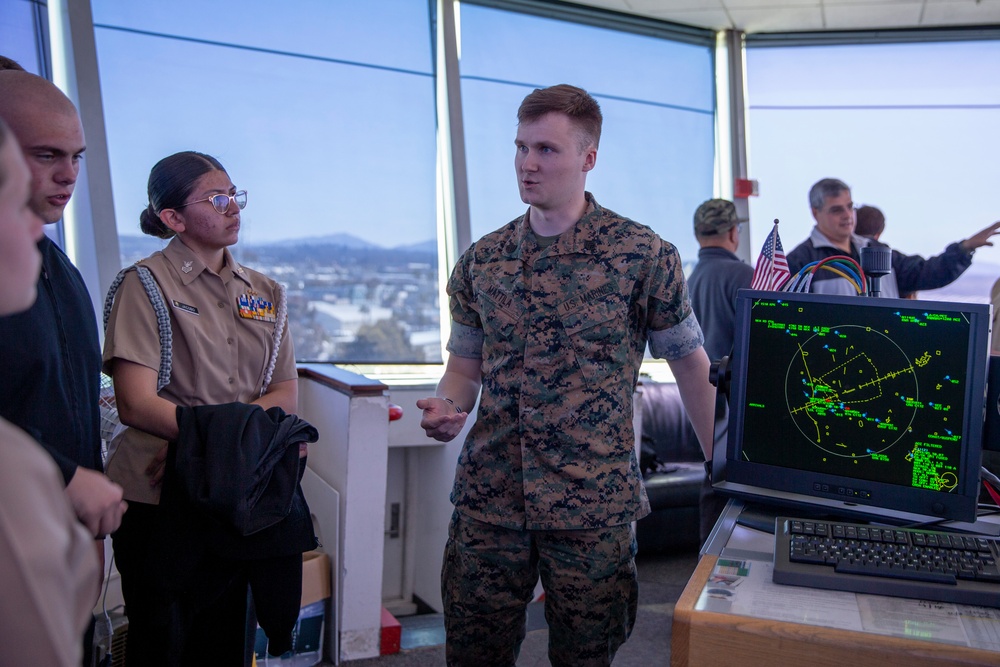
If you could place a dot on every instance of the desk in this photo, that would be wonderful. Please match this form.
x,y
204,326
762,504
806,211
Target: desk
x,y
710,630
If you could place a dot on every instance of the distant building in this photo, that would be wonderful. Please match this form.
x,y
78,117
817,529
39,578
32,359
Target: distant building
x,y
342,320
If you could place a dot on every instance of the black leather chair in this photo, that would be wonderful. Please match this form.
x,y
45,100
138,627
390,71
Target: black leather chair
x,y
673,471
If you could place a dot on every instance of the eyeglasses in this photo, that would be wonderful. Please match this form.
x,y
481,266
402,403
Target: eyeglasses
x,y
221,202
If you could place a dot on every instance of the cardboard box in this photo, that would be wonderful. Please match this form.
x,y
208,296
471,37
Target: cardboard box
x,y
315,577
307,638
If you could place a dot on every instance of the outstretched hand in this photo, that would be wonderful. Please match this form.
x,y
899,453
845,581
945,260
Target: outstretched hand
x,y
981,238
441,420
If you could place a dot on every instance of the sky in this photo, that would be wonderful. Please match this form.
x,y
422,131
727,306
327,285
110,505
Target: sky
x,y
324,112
310,135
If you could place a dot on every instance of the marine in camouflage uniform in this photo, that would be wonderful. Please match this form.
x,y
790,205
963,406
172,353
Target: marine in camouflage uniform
x,y
551,315
548,469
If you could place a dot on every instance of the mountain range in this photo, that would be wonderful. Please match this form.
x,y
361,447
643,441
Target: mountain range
x,y
133,245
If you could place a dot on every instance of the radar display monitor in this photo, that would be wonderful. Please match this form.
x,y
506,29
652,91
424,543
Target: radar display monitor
x,y
856,406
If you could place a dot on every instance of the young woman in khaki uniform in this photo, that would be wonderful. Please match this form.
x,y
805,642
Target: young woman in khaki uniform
x,y
217,335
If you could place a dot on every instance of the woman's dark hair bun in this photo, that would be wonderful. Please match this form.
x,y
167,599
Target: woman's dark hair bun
x,y
151,224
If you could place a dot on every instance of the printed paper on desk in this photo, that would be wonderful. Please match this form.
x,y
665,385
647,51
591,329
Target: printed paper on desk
x,y
752,593
745,587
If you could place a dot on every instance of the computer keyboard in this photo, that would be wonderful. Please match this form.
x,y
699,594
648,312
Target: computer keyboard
x,y
903,562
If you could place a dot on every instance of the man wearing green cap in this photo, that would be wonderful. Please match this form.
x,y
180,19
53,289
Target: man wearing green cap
x,y
718,274
713,285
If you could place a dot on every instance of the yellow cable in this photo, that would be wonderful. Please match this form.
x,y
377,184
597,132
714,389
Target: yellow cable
x,y
842,275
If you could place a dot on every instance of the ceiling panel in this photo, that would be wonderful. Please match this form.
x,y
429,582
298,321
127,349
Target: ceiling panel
x,y
768,20
701,18
616,5
772,5
880,14
754,16
962,12
642,6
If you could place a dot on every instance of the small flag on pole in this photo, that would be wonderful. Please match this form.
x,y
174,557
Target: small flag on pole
x,y
771,271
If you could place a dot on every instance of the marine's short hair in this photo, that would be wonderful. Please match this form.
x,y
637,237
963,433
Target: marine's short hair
x,y
582,109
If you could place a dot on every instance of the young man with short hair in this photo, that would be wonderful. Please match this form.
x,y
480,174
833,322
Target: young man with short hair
x,y
551,315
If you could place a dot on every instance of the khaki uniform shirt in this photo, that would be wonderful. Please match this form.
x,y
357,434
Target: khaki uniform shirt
x,y
49,566
222,330
561,332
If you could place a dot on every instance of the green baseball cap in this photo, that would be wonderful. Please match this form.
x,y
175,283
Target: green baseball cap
x,y
714,217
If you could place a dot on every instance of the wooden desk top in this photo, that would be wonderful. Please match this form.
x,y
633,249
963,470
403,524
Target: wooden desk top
x,y
713,639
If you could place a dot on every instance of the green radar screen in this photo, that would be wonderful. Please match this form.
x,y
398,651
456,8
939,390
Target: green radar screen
x,y
852,391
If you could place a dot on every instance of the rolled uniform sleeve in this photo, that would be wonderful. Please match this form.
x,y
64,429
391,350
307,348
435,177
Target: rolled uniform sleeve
x,y
674,331
467,334
465,341
677,342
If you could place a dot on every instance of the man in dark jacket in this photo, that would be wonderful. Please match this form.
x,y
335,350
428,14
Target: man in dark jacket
x,y
870,222
50,354
717,277
833,210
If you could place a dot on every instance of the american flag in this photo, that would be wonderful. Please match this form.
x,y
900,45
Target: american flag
x,y
771,271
